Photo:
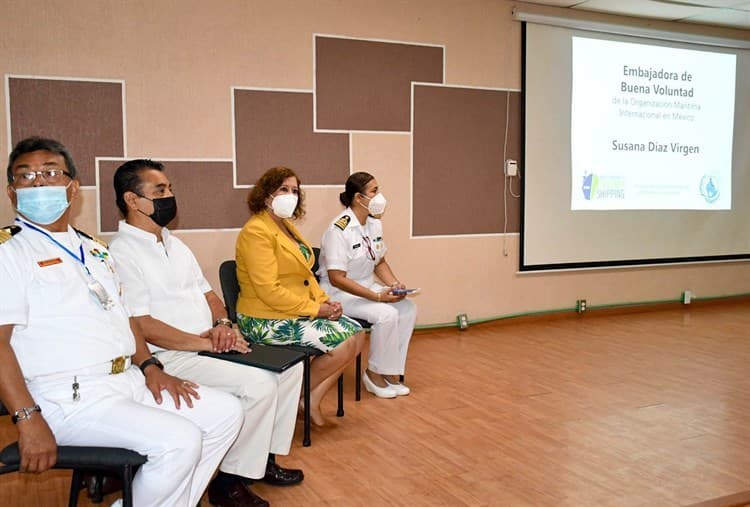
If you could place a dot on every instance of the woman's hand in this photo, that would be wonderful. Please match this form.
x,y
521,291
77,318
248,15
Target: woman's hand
x,y
338,311
386,295
330,310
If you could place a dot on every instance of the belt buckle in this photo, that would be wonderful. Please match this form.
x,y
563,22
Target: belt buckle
x,y
118,365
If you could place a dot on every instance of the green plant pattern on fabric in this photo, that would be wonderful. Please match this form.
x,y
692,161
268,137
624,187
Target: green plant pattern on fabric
x,y
323,325
257,332
290,330
323,334
304,250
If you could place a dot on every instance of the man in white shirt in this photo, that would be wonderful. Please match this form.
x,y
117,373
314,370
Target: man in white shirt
x,y
179,315
67,345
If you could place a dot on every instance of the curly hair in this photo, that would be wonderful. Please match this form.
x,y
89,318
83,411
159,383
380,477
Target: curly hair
x,y
270,183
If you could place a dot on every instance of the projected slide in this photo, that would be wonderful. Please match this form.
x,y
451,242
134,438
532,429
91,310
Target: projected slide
x,y
651,127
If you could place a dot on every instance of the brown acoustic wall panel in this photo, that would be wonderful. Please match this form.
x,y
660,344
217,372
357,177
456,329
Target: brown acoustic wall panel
x,y
275,129
366,85
458,160
86,116
205,197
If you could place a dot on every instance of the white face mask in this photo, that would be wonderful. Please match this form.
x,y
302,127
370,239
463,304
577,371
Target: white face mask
x,y
283,205
377,204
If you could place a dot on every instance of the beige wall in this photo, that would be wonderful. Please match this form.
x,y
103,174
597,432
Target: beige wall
x,y
179,60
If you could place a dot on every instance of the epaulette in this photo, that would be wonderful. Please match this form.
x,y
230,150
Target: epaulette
x,y
92,238
342,222
8,232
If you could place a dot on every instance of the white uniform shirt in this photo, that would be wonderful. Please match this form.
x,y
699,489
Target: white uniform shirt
x,y
163,280
60,326
352,247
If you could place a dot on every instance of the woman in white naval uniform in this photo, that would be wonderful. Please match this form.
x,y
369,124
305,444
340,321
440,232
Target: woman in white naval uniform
x,y
353,270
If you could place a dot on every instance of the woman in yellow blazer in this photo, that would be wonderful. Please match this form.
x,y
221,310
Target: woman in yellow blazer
x,y
280,301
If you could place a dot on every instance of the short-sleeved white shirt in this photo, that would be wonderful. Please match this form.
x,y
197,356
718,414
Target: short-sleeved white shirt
x,y
163,280
350,246
59,325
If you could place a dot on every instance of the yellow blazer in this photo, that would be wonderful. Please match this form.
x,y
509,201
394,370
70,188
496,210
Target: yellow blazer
x,y
276,281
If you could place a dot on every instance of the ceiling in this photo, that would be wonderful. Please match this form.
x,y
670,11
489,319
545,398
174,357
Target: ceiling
x,y
727,13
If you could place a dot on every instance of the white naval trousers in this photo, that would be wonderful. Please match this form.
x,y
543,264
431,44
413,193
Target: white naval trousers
x,y
269,401
392,327
183,446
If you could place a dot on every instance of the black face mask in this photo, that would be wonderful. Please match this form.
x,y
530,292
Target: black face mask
x,y
165,209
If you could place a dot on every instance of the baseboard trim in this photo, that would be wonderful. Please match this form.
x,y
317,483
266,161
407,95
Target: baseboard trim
x,y
741,499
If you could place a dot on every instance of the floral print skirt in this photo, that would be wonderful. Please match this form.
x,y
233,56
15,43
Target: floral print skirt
x,y
323,334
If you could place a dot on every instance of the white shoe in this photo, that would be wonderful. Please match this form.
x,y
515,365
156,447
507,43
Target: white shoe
x,y
380,392
398,388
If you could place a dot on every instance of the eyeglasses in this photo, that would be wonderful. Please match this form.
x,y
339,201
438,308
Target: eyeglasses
x,y
368,244
51,176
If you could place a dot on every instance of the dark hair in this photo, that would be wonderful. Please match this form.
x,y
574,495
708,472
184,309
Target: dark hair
x,y
128,179
355,184
31,144
270,183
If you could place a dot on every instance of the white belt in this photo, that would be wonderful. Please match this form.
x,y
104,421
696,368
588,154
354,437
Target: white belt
x,y
111,367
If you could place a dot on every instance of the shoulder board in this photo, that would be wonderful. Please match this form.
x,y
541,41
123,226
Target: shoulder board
x,y
8,232
342,222
92,238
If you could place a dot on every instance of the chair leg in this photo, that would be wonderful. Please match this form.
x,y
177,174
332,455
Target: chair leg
x,y
127,486
75,487
306,390
340,411
95,488
358,378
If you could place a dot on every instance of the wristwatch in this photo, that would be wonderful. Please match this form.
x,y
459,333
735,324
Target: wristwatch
x,y
148,362
223,322
24,413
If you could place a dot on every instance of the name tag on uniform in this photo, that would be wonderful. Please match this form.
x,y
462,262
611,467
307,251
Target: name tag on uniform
x,y
49,262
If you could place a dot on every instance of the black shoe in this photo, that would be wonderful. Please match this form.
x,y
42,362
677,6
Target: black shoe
x,y
233,494
99,485
278,476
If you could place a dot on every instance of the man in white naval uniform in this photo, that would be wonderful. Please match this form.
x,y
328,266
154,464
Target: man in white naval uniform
x,y
67,344
179,314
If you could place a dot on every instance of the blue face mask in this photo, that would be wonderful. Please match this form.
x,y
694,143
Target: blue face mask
x,y
42,205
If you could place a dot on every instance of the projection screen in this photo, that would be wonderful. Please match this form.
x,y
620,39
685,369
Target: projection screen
x,y
636,150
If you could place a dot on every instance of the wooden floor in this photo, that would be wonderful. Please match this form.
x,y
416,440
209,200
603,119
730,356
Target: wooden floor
x,y
643,409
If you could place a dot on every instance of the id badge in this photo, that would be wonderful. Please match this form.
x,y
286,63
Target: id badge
x,y
100,293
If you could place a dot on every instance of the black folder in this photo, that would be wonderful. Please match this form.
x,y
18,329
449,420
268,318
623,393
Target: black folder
x,y
267,357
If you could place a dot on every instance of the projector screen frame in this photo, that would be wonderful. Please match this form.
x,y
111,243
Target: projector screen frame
x,y
626,31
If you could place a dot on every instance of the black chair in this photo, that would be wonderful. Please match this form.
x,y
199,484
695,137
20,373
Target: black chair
x,y
230,288
363,323
81,460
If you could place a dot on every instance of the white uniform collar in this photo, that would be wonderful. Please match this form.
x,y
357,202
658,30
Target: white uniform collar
x,y
71,234
130,230
354,220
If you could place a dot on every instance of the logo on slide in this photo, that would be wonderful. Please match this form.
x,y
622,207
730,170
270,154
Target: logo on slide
x,y
709,188
604,188
590,182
